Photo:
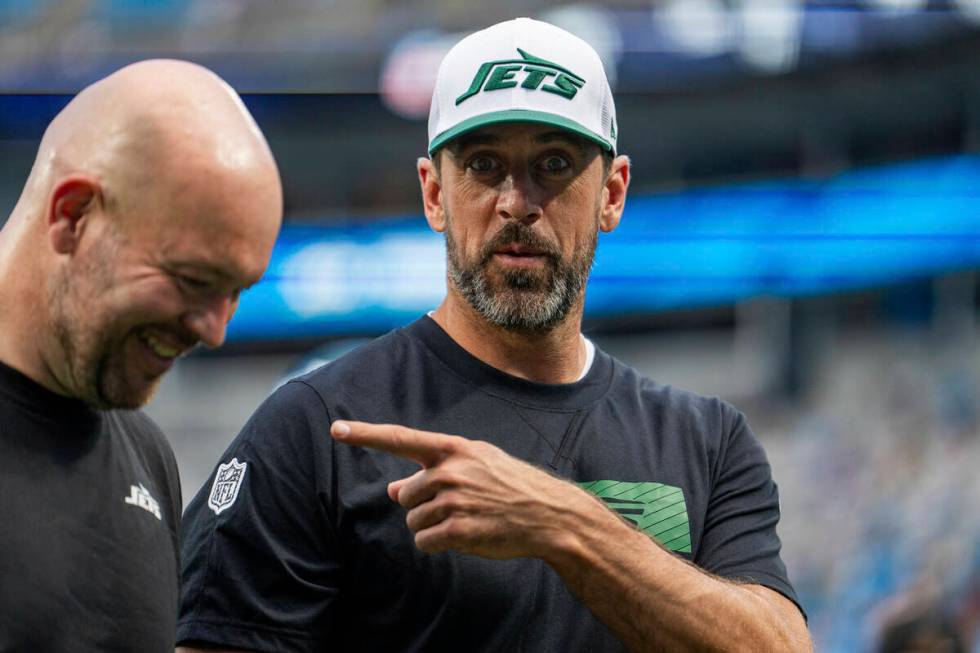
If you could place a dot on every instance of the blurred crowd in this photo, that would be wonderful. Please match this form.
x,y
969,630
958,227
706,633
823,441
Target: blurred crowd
x,y
880,491
877,465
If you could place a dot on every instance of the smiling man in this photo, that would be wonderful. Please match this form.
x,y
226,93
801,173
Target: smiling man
x,y
578,507
153,200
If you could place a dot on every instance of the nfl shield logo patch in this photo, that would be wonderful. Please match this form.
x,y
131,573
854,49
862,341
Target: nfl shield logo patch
x,y
227,481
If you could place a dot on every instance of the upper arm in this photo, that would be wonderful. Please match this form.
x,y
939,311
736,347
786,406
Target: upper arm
x,y
259,571
739,540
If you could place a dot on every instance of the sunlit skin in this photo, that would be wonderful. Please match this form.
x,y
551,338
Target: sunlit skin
x,y
546,180
153,202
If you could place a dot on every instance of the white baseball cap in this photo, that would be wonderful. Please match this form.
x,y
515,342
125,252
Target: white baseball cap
x,y
522,70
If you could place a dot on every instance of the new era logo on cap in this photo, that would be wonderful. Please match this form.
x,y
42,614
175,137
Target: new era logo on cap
x,y
522,70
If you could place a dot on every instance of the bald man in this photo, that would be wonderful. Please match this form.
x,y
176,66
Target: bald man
x,y
154,200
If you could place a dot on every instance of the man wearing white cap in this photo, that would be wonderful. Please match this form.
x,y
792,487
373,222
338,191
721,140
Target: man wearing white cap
x,y
581,507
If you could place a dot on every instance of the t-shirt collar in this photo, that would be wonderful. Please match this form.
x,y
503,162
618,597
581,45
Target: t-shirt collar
x,y
564,396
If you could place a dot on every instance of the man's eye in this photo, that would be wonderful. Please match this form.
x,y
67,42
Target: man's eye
x,y
481,164
555,163
192,283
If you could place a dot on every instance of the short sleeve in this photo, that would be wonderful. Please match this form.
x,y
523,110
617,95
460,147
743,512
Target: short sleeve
x,y
740,540
260,570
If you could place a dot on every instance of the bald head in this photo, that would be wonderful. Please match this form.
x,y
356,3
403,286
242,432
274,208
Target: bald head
x,y
153,201
146,122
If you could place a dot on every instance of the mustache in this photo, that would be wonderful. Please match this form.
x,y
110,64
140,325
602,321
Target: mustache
x,y
515,233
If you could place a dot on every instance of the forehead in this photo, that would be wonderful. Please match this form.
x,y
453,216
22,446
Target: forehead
x,y
229,235
515,135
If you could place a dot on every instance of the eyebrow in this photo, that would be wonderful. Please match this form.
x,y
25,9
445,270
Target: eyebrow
x,y
211,270
470,140
565,137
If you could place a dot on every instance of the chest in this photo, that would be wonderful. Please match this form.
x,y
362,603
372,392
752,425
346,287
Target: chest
x,y
628,463
87,550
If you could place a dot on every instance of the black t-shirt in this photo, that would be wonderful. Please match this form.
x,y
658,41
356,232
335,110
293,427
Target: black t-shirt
x,y
89,508
295,546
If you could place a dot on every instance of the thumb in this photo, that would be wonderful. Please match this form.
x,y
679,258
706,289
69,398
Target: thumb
x,y
395,486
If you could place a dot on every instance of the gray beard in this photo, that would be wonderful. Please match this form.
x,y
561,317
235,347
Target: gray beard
x,y
527,301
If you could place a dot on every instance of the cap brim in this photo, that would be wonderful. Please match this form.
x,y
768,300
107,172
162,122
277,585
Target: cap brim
x,y
517,115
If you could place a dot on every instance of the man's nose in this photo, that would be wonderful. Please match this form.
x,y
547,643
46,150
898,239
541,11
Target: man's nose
x,y
209,321
519,198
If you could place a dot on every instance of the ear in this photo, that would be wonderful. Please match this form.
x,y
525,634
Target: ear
x,y
431,194
72,202
614,193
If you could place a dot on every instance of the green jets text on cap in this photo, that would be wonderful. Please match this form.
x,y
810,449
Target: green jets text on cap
x,y
496,75
656,509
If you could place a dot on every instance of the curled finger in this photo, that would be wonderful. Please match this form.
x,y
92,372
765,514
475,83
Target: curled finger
x,y
428,514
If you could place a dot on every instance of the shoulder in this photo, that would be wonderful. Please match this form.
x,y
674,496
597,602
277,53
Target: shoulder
x,y
375,370
285,420
687,427
150,446
704,412
290,425
371,360
138,428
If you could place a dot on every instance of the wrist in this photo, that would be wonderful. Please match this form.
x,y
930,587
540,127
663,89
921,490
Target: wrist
x,y
584,528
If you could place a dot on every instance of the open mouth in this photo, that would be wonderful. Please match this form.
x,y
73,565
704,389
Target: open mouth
x,y
160,348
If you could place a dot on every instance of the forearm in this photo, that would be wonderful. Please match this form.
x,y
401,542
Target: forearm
x,y
654,601
472,497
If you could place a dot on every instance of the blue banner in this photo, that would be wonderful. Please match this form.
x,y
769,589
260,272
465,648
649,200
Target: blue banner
x,y
701,247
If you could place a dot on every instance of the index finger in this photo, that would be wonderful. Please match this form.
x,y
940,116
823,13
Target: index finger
x,y
424,447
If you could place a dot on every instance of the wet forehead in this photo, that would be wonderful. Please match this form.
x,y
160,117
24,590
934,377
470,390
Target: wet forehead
x,y
227,240
223,214
228,257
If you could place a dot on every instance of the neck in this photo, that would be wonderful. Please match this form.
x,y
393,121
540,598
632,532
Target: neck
x,y
553,356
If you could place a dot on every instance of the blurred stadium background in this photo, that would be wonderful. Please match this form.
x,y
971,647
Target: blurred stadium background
x,y
803,239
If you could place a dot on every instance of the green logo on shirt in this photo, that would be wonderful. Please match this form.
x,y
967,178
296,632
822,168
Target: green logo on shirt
x,y
658,510
503,73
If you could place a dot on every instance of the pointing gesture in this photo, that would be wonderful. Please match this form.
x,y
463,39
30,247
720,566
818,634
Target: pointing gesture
x,y
471,496
425,448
